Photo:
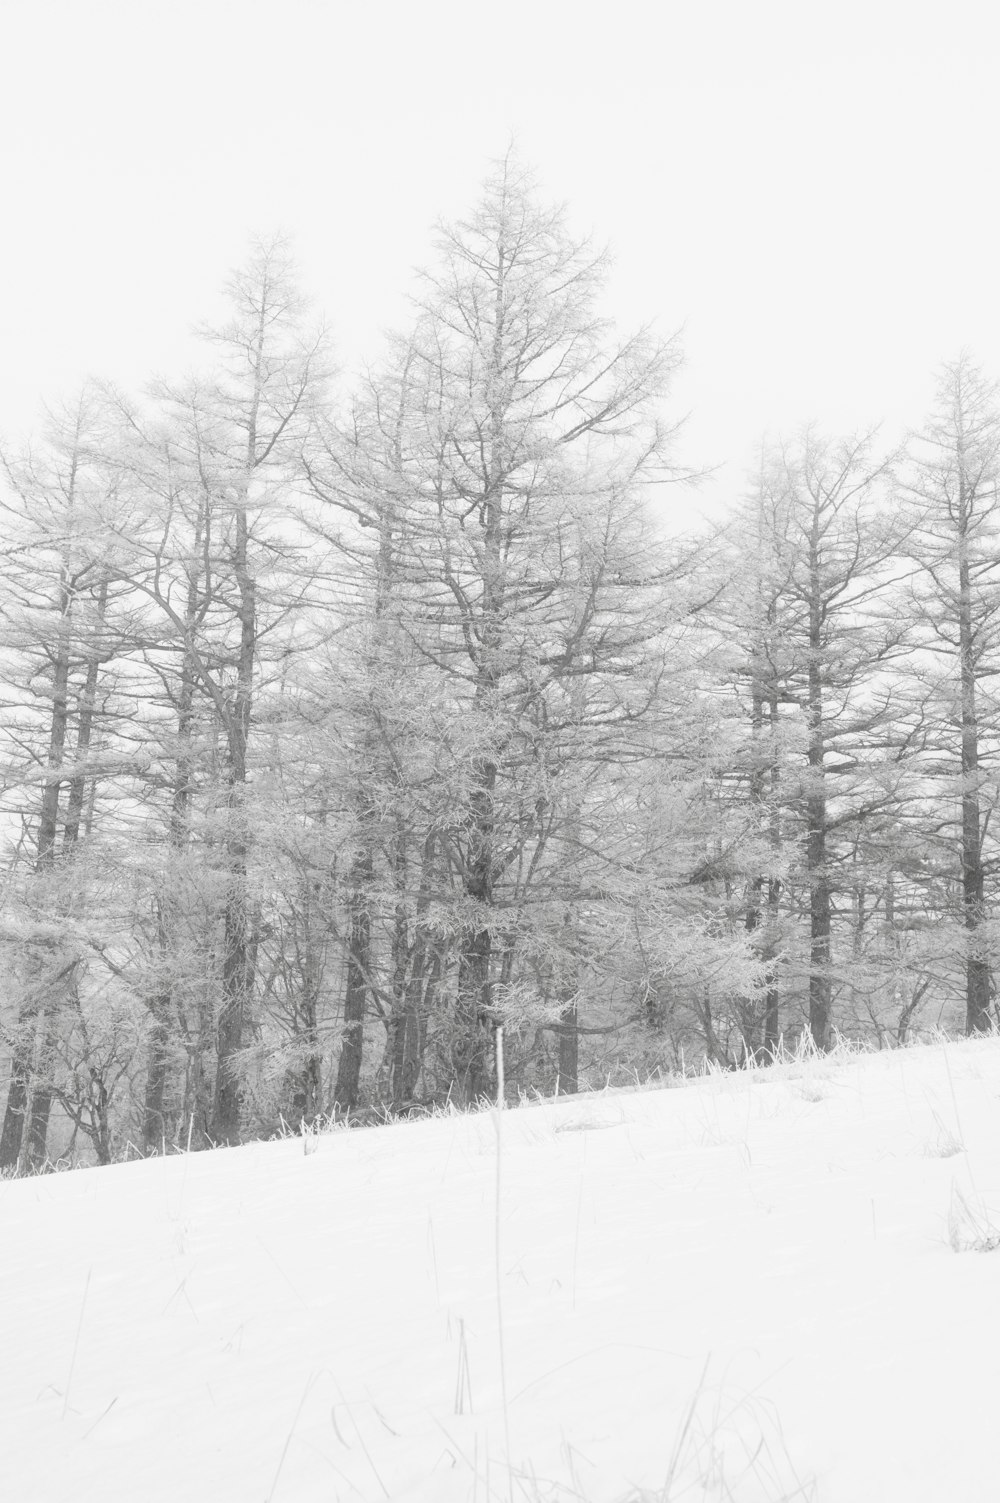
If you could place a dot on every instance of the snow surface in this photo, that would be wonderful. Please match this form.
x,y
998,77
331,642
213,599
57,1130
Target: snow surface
x,y
747,1284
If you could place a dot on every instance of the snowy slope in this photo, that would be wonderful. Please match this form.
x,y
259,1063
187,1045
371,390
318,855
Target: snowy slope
x,y
747,1279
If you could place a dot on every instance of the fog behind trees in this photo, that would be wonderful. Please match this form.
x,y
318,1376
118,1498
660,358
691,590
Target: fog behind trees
x,y
351,717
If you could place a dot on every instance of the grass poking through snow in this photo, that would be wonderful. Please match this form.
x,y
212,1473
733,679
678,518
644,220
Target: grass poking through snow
x,y
740,1288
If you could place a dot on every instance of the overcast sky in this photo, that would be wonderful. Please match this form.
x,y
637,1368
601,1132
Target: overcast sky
x,y
809,189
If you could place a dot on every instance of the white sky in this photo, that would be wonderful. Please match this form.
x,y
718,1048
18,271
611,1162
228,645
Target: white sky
x,y
811,190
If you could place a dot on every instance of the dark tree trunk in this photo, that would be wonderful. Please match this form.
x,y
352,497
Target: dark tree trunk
x,y
978,976
569,1051
410,1039
88,702
41,1111
771,1043
102,1129
237,965
763,1034
820,983
471,1052
24,1135
416,995
474,1020
348,1083
305,1100
17,1105
154,1124
237,983
568,984
820,896
409,1024
18,1148
162,1005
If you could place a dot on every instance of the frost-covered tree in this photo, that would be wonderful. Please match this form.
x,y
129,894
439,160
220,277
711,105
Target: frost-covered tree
x,y
224,578
66,759
511,440
951,488
819,636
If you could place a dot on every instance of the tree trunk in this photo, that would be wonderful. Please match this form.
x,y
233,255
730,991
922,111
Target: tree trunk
x,y
154,1124
820,904
410,1039
471,1051
237,982
24,1136
771,1043
475,1020
568,983
347,1087
21,1140
472,1054
978,976
237,966
85,726
569,1051
306,1082
17,1105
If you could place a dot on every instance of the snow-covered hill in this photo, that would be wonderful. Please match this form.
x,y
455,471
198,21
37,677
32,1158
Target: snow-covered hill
x,y
748,1284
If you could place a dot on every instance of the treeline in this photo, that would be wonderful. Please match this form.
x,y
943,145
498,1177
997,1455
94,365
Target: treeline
x,y
337,731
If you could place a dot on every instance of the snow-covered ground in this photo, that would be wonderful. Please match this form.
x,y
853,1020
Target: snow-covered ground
x,y
747,1284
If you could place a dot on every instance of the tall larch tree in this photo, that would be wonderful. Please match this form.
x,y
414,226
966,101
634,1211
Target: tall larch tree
x,y
528,438
821,630
220,566
952,490
61,616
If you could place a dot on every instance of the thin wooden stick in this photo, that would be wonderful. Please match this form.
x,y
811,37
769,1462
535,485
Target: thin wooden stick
x,y
500,1080
76,1343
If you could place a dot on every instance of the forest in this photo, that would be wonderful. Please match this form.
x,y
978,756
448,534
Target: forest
x,y
348,719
